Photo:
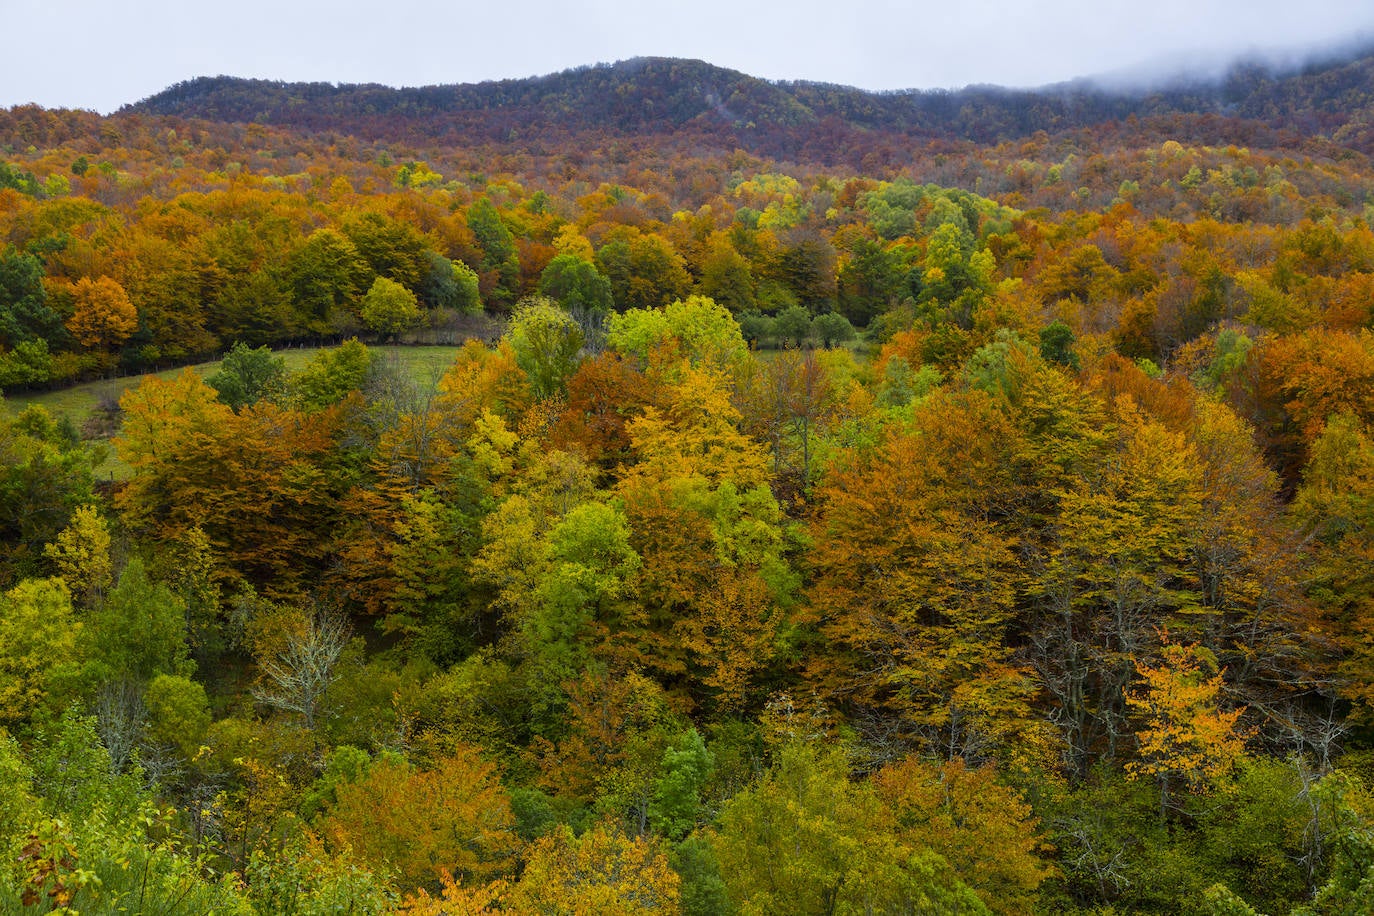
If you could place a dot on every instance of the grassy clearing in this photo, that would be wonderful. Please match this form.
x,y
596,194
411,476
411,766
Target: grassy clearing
x,y
422,365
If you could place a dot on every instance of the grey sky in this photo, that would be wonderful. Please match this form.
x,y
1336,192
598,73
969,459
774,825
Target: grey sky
x,y
101,54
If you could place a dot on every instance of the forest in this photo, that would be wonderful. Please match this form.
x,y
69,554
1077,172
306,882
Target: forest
x,y
815,515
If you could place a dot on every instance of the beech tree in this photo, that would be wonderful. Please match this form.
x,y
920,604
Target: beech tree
x,y
102,316
82,555
915,582
389,308
575,283
452,817
984,829
546,341
40,652
1185,734
807,840
601,871
24,311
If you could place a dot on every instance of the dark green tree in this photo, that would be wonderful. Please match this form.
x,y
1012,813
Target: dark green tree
x,y
575,284
1056,344
451,285
248,375
24,311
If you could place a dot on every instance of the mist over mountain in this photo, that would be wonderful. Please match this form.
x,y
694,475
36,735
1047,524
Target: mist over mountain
x,y
1211,67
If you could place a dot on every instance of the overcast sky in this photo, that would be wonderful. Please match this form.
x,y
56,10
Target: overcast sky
x,y
101,54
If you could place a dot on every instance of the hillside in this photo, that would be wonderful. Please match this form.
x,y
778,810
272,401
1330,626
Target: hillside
x,y
965,499
1331,100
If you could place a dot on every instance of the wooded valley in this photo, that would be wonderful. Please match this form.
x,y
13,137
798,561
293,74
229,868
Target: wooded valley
x,y
855,504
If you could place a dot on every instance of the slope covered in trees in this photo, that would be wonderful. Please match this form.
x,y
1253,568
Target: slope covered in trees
x,y
664,95
941,527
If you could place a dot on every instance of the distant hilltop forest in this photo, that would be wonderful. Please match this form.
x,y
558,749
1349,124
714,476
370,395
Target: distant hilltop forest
x,y
1332,100
805,501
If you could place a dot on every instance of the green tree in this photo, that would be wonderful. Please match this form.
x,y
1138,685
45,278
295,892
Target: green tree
x,y
575,284
702,330
100,845
40,649
326,276
389,308
45,475
546,341
332,374
451,285
29,363
1335,508
246,376
792,324
726,277
832,328
139,632
956,278
871,280
590,563
1056,344
178,712
687,768
500,267
805,840
24,311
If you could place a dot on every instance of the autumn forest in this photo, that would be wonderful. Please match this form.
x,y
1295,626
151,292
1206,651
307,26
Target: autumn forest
x,y
825,502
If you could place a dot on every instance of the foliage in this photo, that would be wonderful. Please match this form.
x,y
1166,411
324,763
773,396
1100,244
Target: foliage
x,y
1070,555
331,375
701,329
389,308
1185,734
452,817
805,840
81,553
601,871
575,283
40,649
546,341
247,376
138,632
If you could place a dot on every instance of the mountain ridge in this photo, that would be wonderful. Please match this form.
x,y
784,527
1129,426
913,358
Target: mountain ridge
x,y
657,95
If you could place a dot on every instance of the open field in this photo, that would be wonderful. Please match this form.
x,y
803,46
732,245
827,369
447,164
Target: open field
x,y
423,365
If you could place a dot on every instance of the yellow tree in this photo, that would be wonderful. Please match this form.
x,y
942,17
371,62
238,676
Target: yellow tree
x,y
261,484
805,840
713,540
984,829
1335,509
453,817
82,555
1118,565
102,317
1184,736
695,433
456,900
915,582
601,873
39,644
